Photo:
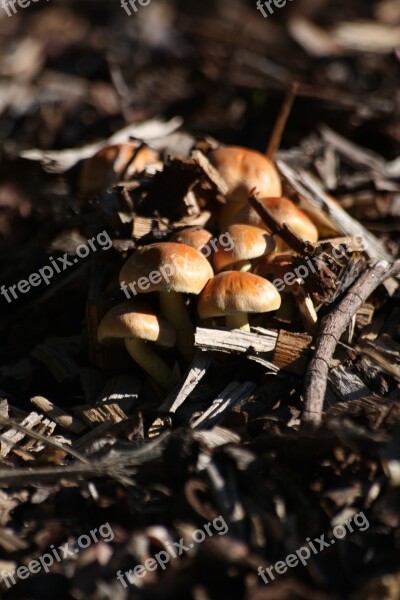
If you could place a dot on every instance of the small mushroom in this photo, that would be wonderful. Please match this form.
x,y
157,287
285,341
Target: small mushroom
x,y
285,212
234,294
196,237
243,170
136,323
111,162
172,270
248,243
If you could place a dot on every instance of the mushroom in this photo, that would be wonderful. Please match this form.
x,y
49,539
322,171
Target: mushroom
x,y
111,161
233,294
196,237
136,323
248,242
243,170
172,270
284,211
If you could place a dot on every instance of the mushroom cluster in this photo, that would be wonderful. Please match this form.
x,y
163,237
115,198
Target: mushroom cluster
x,y
229,282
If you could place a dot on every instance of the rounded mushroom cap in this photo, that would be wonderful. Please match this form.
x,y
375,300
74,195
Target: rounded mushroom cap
x,y
248,242
234,292
243,169
98,169
167,266
284,211
136,320
196,237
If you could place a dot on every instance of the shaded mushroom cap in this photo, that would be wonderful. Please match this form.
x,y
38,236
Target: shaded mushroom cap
x,y
167,266
237,292
136,320
284,211
109,161
196,237
243,169
248,242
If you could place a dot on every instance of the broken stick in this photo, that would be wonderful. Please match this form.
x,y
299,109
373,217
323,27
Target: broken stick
x,y
332,327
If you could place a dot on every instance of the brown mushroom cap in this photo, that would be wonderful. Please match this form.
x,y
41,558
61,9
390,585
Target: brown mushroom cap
x,y
136,320
112,160
284,211
244,169
196,237
167,266
233,292
248,243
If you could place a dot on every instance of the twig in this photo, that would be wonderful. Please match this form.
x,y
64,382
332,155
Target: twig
x,y
284,231
332,327
43,439
279,127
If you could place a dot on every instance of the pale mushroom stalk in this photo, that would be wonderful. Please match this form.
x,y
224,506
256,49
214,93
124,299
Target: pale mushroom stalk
x,y
135,323
243,265
150,362
173,308
238,321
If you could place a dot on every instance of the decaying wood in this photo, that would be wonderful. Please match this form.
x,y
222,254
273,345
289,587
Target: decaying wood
x,y
14,435
331,328
232,395
384,351
292,351
35,435
93,415
66,421
306,307
142,226
210,171
198,368
346,385
255,346
225,340
312,193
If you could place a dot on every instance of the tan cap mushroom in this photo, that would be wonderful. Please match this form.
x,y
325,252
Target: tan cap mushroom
x,y
248,243
170,269
286,212
136,323
233,294
196,237
243,170
110,162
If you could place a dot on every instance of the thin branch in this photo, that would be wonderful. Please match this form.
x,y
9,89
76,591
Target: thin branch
x,y
332,327
279,127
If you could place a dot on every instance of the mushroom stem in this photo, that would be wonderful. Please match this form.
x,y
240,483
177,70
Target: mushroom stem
x,y
238,321
174,310
243,265
150,362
